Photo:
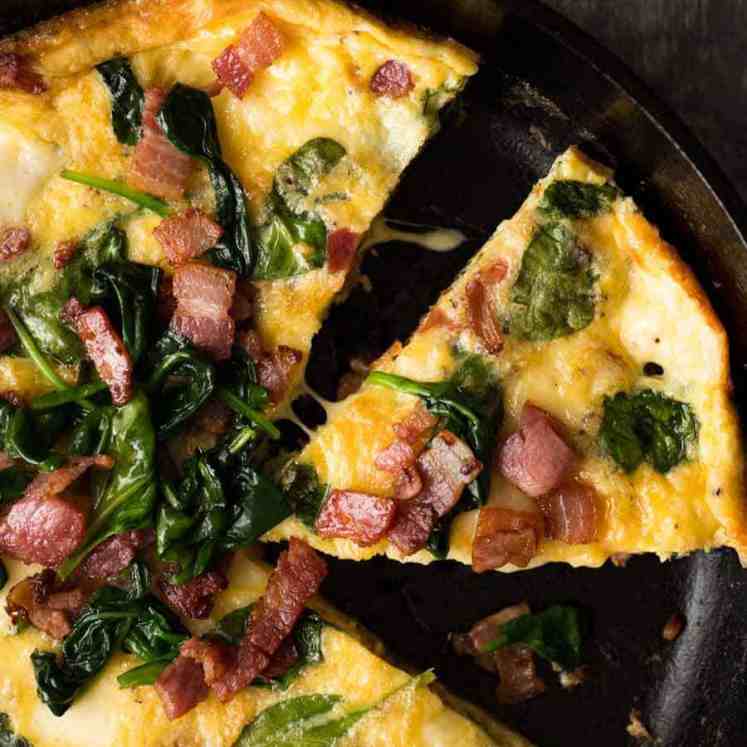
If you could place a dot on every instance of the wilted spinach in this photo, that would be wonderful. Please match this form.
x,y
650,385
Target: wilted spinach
x,y
554,634
188,120
554,293
136,196
8,738
127,499
573,199
28,438
304,491
287,224
181,381
13,482
127,99
647,426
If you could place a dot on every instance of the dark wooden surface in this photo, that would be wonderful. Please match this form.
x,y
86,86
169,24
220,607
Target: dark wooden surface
x,y
692,53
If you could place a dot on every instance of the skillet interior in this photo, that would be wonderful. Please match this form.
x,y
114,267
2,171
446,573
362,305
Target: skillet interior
x,y
543,86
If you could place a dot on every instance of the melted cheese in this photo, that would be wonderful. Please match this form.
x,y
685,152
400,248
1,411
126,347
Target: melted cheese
x,y
649,309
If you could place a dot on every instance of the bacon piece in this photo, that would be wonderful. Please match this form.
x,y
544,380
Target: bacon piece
x,y
410,432
14,242
5,461
194,599
274,369
31,600
72,309
106,349
446,467
181,686
7,332
409,483
392,79
341,246
113,555
505,536
63,253
158,166
187,235
296,578
282,660
519,680
415,425
243,302
482,308
360,517
214,417
204,297
486,630
165,301
250,341
259,45
535,458
16,73
571,513
436,318
217,658
42,527
395,457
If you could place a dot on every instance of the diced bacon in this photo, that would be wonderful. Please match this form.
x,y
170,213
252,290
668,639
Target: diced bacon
x,y
341,246
436,318
49,484
29,601
418,423
535,458
106,349
16,73
409,483
392,79
63,253
282,660
402,452
14,241
259,45
252,344
360,517
395,457
213,417
296,578
72,309
181,686
446,467
113,555
486,630
274,370
158,166
5,461
187,235
7,332
196,598
204,297
482,307
243,302
519,680
165,301
571,513
218,658
67,600
505,536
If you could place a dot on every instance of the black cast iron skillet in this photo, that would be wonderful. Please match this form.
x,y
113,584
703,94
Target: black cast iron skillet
x,y
544,86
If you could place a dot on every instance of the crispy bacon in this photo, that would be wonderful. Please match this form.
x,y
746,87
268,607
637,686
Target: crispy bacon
x,y
187,235
282,660
259,45
16,73
341,246
42,527
417,424
519,680
5,461
63,253
505,536
204,297
392,79
72,309
486,630
296,578
411,433
165,301
535,458
113,555
395,457
360,517
7,332
446,467
243,302
274,370
436,318
158,166
106,349
14,242
571,513
216,657
33,600
196,598
482,307
409,483
181,686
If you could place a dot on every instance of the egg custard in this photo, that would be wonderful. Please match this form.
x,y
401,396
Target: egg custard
x,y
580,365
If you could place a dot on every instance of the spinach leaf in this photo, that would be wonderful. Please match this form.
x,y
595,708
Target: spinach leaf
x,y
136,196
554,634
127,500
647,426
23,437
554,292
573,199
188,120
287,225
127,99
113,617
181,381
304,492
13,482
8,738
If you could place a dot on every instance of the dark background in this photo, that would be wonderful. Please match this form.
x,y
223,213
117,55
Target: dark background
x,y
691,53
